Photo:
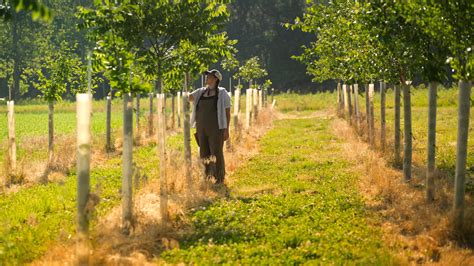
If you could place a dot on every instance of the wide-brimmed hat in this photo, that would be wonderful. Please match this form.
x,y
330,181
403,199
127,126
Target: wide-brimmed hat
x,y
214,72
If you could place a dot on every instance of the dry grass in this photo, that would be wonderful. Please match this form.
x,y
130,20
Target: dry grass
x,y
30,170
150,234
420,232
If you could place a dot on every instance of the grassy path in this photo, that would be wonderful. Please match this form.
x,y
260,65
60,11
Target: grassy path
x,y
295,202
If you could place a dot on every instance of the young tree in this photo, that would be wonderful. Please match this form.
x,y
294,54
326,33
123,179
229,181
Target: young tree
x,y
251,70
53,79
447,26
230,64
362,40
450,24
157,28
114,55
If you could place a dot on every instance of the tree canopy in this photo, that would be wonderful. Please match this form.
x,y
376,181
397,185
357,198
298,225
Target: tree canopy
x,y
360,41
163,39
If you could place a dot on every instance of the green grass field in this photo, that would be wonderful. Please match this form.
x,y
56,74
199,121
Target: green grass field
x,y
31,126
292,203
37,216
446,127
446,131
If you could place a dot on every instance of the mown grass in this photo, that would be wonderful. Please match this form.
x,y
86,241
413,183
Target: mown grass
x,y
296,202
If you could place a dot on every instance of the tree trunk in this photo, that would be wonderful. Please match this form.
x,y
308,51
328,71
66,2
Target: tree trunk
x,y
162,154
89,73
10,92
382,116
83,112
127,161
461,152
50,133
430,182
150,115
371,116
16,57
108,121
407,152
397,125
